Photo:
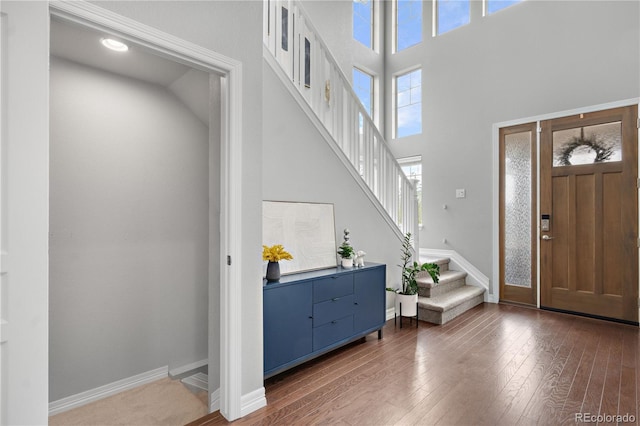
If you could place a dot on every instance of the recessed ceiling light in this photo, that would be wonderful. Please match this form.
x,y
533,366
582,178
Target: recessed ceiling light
x,y
116,45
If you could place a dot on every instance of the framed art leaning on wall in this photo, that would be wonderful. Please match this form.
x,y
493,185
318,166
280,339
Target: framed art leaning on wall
x,y
306,230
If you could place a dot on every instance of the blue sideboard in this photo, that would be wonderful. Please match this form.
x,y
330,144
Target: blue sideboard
x,y
310,313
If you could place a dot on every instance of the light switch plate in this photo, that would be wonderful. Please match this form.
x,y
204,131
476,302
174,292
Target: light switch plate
x,y
461,193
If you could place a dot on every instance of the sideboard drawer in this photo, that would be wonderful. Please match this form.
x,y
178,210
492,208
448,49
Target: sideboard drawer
x,y
332,309
332,332
332,287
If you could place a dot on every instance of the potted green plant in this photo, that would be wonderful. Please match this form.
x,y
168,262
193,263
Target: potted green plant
x,y
407,294
346,252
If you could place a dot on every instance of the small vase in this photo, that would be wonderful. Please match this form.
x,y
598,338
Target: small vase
x,y
273,271
347,263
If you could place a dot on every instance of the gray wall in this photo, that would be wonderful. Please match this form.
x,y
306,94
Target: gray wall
x,y
234,29
534,58
299,165
129,230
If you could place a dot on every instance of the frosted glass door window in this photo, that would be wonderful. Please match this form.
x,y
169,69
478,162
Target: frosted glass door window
x,y
601,143
517,209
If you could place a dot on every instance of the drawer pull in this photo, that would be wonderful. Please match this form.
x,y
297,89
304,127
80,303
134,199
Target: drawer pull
x,y
334,322
335,299
310,317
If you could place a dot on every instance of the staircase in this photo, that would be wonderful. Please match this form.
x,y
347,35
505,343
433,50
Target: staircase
x,y
451,297
300,58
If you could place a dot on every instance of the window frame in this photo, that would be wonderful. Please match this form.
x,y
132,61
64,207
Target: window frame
x,y
436,17
396,26
372,24
408,162
395,100
372,90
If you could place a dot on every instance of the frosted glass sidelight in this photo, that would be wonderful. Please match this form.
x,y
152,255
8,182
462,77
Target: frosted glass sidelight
x,y
517,209
601,143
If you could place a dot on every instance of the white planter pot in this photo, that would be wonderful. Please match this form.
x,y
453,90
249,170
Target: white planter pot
x,y
347,263
409,305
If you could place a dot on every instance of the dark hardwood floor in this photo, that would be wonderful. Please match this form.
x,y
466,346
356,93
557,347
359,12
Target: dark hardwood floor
x,y
495,365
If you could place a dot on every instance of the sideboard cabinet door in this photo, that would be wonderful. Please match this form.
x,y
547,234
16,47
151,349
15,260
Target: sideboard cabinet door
x,y
370,299
287,324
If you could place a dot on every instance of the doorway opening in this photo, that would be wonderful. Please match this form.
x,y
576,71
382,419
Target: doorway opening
x,y
224,310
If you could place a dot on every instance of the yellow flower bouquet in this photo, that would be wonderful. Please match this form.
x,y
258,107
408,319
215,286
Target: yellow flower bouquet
x,y
275,253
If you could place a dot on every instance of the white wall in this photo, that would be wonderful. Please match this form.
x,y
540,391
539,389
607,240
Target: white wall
x,y
25,221
300,166
128,239
533,58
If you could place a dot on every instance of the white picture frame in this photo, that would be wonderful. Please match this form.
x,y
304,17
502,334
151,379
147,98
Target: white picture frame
x,y
306,230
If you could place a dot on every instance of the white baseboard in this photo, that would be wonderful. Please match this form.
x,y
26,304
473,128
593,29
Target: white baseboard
x,y
98,393
391,313
474,275
194,365
214,401
198,380
252,401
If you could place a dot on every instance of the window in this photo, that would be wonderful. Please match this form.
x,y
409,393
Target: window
x,y
363,22
363,86
408,89
412,167
451,14
492,6
408,23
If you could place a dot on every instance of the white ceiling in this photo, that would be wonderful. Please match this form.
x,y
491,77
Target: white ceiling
x,y
82,45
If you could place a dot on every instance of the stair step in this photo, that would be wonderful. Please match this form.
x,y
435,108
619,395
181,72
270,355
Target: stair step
x,y
449,280
446,277
443,262
445,307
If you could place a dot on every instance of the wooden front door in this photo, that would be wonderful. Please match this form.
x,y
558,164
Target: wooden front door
x,y
589,214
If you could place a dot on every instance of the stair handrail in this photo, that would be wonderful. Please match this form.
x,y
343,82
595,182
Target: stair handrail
x,y
341,117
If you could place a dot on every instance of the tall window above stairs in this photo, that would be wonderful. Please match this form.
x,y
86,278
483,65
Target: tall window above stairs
x,y
363,22
363,86
451,14
408,103
412,167
491,6
408,23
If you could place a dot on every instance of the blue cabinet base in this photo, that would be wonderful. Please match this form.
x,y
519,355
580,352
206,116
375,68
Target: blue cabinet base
x,y
311,313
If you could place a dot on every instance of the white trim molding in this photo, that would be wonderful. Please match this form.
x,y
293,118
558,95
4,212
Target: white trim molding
x,y
230,71
474,276
92,395
214,400
188,367
391,313
253,401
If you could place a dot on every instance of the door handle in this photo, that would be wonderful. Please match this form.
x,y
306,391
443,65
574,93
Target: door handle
x,y
547,237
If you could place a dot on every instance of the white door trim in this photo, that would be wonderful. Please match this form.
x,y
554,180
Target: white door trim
x,y
494,288
230,71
